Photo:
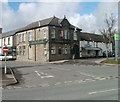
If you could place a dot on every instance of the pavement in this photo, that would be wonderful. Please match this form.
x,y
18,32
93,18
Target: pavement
x,y
8,78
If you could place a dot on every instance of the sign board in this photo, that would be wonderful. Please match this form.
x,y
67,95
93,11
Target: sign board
x,y
5,49
117,36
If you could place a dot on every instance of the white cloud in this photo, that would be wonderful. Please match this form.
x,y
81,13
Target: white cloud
x,y
105,10
86,22
30,12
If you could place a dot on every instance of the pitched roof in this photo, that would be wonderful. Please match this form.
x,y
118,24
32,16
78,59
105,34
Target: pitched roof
x,y
92,37
54,21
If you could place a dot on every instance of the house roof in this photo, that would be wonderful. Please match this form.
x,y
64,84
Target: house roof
x,y
92,37
54,21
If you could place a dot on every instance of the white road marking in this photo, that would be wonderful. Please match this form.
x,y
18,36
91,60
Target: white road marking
x,y
86,74
90,93
37,73
58,83
43,75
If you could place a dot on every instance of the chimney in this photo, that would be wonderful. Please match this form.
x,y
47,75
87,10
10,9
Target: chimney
x,y
0,30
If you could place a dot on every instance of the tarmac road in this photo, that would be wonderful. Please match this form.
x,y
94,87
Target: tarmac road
x,y
68,81
95,90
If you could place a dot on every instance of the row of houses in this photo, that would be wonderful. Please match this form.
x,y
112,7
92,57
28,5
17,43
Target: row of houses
x,y
53,39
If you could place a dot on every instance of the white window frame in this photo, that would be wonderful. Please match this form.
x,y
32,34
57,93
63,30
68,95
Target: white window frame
x,y
24,36
53,50
30,36
66,50
8,40
65,34
20,37
74,35
68,35
53,33
44,33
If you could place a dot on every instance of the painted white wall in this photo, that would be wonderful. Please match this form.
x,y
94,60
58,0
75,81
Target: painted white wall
x,y
6,41
103,46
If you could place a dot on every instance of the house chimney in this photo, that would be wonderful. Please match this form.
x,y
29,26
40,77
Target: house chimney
x,y
0,30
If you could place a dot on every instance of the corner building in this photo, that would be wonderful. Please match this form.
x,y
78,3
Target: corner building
x,y
48,40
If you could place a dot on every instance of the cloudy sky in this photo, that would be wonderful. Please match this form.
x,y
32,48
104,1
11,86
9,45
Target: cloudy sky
x,y
89,16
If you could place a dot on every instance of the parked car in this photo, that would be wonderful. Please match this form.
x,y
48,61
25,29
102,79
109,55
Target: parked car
x,y
110,54
2,57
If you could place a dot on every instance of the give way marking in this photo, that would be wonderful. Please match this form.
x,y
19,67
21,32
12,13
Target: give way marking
x,y
43,75
103,91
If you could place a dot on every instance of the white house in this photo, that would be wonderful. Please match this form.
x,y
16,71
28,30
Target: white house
x,y
93,45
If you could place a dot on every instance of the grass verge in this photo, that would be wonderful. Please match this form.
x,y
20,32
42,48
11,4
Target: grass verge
x,y
111,61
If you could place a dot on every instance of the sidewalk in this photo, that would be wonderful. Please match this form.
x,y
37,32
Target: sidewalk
x,y
9,78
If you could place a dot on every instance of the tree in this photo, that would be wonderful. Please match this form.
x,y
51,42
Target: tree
x,y
109,31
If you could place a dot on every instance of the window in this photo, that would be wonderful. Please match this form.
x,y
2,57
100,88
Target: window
x,y
20,52
44,33
66,50
65,34
68,35
52,33
23,36
23,50
75,35
20,38
45,49
53,50
8,41
29,36
4,41
61,34
60,51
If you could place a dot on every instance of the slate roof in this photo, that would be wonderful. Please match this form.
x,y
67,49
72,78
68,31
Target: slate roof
x,y
92,37
54,21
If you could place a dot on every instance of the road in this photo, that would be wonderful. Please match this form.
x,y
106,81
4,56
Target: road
x,y
95,90
82,80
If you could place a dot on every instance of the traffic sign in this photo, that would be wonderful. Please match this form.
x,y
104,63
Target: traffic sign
x,y
5,49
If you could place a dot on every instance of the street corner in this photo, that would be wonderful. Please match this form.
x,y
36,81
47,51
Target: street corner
x,y
8,78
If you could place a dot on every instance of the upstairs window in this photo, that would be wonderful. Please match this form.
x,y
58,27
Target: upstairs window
x,y
4,42
24,35
61,34
20,38
30,36
68,35
52,33
75,35
65,34
8,41
44,33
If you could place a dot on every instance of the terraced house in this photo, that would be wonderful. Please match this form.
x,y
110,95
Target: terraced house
x,y
48,40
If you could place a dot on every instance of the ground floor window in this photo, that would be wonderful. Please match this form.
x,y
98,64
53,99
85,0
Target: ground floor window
x,y
21,50
60,50
53,50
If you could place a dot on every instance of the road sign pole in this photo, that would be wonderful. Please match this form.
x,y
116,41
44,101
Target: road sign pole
x,y
5,65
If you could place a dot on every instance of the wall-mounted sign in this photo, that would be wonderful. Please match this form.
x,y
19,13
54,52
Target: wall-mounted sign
x,y
37,42
87,45
117,36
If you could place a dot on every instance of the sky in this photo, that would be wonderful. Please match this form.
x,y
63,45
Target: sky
x,y
89,16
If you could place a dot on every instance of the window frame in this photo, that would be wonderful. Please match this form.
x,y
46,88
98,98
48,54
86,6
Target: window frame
x,y
52,32
30,35
75,35
53,50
